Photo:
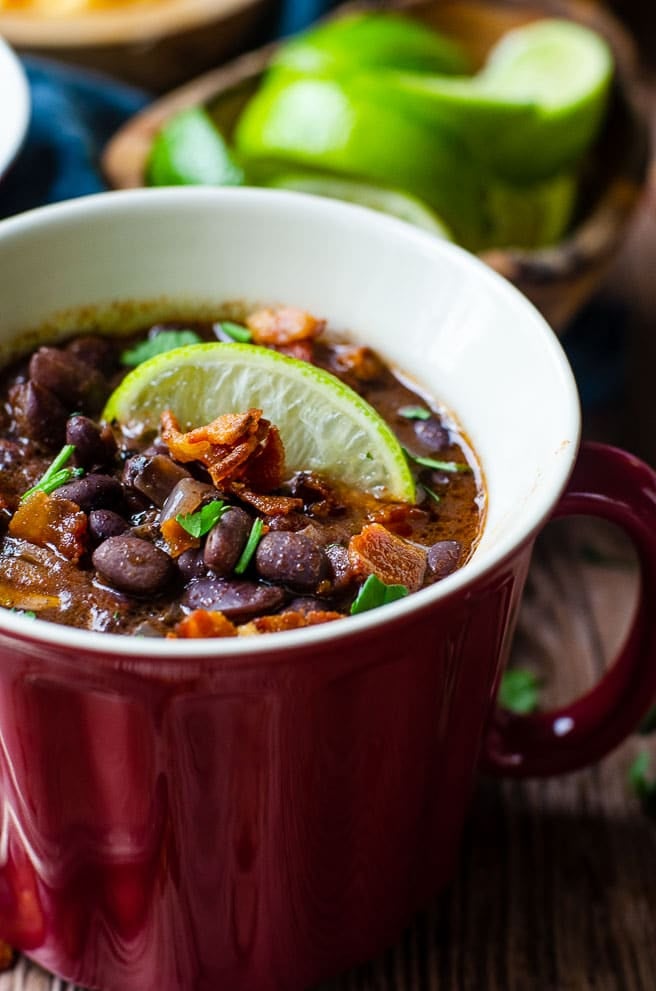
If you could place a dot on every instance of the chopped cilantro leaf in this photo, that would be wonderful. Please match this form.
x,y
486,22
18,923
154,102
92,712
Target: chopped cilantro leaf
x,y
376,593
643,786
234,331
166,340
437,465
201,522
251,546
433,495
648,724
414,413
519,691
55,475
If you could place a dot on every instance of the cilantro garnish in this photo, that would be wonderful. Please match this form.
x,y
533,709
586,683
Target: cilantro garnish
x,y
414,413
519,691
433,495
166,340
56,474
251,545
643,786
201,522
235,331
437,465
648,724
376,593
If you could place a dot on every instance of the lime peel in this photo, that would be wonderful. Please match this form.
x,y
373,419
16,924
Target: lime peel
x,y
325,426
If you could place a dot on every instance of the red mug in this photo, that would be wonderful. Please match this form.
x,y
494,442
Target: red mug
x,y
259,815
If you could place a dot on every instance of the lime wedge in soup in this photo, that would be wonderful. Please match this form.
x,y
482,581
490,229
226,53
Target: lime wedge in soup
x,y
390,201
371,39
189,151
325,426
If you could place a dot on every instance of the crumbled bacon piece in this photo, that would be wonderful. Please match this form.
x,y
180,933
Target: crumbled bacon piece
x,y
226,445
49,522
301,350
363,363
286,621
177,539
268,505
283,326
203,623
264,470
376,551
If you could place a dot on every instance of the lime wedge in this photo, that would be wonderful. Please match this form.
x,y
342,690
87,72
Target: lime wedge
x,y
325,426
567,70
391,201
368,39
532,216
188,151
327,125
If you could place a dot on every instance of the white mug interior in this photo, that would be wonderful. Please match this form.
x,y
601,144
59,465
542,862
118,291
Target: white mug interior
x,y
464,335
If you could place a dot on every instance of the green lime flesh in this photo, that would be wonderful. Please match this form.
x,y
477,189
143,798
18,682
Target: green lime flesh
x,y
325,426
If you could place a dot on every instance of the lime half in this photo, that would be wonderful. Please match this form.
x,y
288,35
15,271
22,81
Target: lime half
x,y
390,201
325,426
190,151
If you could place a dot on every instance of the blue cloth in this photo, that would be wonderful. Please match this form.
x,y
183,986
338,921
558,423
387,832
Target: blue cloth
x,y
75,112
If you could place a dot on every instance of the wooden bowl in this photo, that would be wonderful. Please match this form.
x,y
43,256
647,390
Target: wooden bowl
x,y
156,44
558,279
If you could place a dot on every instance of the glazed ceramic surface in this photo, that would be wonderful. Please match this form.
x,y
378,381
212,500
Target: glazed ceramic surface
x,y
259,814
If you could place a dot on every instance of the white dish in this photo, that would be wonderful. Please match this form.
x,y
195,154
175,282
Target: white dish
x,y
14,106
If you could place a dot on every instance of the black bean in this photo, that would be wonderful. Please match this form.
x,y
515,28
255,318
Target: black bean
x,y
94,445
97,352
71,380
340,565
39,414
444,557
133,565
154,477
432,434
92,492
238,600
305,604
291,558
226,540
191,565
104,523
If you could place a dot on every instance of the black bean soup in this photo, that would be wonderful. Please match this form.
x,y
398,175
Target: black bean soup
x,y
133,536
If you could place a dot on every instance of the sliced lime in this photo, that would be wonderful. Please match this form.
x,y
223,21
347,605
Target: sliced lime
x,y
188,151
327,125
369,39
390,201
325,426
532,216
567,70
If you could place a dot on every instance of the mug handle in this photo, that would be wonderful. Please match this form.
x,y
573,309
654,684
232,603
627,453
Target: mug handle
x,y
616,486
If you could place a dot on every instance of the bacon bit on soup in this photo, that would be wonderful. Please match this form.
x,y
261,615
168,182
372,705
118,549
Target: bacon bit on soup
x,y
224,446
283,326
177,539
376,551
203,623
286,621
269,505
49,522
265,469
301,350
360,362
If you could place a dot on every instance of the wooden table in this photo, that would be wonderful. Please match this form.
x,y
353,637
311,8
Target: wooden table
x,y
556,888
